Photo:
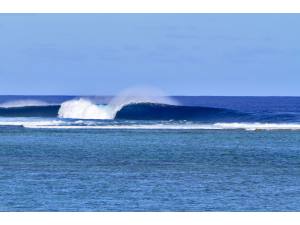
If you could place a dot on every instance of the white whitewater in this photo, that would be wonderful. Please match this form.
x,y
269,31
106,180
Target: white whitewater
x,y
224,126
85,109
86,124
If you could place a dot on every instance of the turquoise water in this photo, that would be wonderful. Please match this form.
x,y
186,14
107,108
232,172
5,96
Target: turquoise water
x,y
149,170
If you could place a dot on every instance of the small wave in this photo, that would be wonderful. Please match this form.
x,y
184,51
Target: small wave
x,y
30,111
23,103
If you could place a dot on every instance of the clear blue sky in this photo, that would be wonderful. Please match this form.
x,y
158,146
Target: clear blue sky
x,y
182,54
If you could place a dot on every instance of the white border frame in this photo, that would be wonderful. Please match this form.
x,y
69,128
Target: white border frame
x,y
165,218
149,6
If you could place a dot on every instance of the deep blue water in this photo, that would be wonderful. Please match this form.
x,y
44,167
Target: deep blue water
x,y
210,154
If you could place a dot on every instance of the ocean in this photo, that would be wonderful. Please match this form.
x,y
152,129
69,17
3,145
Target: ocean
x,y
134,153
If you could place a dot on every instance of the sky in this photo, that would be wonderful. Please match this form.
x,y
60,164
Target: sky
x,y
180,54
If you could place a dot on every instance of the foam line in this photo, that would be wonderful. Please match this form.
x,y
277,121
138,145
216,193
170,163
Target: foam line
x,y
217,126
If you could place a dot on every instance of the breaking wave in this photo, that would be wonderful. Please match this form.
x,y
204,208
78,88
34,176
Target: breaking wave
x,y
142,109
86,109
139,110
141,104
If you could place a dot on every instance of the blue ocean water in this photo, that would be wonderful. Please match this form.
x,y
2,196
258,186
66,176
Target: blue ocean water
x,y
66,153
